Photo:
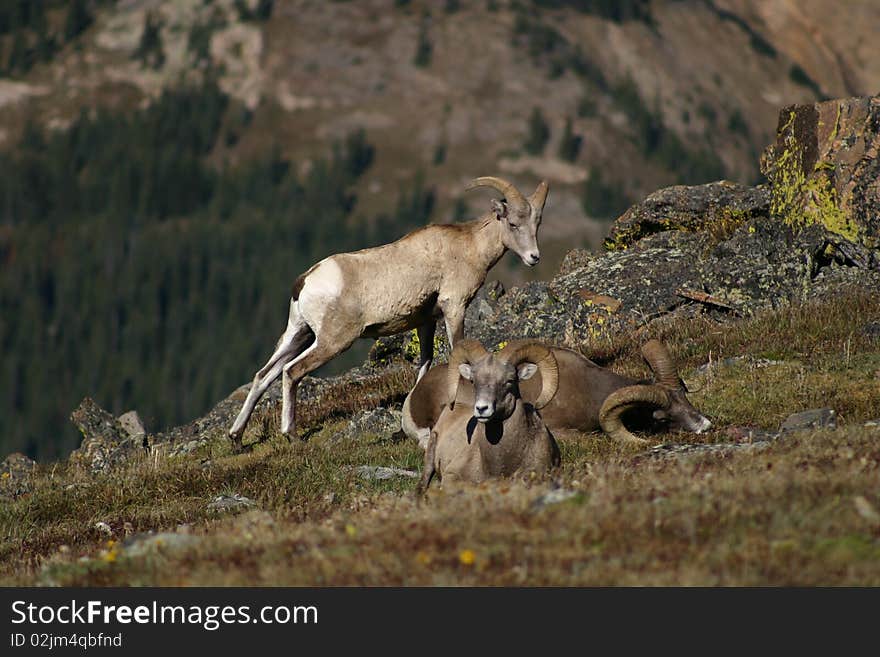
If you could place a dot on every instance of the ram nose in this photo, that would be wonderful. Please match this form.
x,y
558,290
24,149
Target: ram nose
x,y
483,411
703,425
531,258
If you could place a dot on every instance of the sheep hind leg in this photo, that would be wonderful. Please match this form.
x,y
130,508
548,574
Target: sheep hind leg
x,y
425,333
295,338
309,360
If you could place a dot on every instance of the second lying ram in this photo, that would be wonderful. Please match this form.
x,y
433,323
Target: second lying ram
x,y
589,398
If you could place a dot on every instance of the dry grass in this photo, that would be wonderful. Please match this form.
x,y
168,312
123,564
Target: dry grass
x,y
804,511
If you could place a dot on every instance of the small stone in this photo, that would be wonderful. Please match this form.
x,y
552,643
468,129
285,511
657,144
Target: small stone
x,y
555,496
378,472
817,418
104,528
144,543
133,424
378,422
230,503
494,290
866,510
749,434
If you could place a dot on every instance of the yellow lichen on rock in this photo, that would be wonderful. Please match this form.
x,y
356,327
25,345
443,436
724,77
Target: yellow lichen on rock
x,y
800,200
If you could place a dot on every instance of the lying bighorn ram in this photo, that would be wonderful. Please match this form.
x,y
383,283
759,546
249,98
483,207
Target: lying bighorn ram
x,y
589,397
393,288
499,434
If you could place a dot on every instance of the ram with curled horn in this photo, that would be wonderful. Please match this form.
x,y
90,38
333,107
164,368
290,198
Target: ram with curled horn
x,y
589,398
498,433
431,272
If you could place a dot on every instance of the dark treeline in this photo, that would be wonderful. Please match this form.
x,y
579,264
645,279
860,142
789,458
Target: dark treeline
x,y
135,272
34,30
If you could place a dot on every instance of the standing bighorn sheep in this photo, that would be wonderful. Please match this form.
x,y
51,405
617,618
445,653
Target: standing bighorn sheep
x,y
499,434
589,398
393,288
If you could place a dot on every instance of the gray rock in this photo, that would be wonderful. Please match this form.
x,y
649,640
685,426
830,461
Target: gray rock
x,y
230,503
555,496
720,364
684,450
133,424
379,422
104,528
817,418
139,545
106,444
717,205
378,472
15,476
749,435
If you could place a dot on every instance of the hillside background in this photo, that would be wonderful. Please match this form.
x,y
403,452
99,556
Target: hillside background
x,y
167,168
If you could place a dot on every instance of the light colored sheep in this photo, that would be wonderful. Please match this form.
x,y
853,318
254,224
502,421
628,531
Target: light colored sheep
x,y
433,271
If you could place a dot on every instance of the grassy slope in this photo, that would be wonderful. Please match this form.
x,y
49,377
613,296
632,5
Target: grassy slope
x,y
803,511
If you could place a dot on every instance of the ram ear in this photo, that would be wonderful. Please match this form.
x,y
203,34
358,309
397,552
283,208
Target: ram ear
x,y
526,371
466,371
499,208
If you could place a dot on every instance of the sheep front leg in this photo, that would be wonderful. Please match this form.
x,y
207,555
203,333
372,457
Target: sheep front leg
x,y
425,333
453,316
429,469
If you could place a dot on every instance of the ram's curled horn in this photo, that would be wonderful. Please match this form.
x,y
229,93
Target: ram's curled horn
x,y
465,351
518,353
538,199
512,194
660,361
621,400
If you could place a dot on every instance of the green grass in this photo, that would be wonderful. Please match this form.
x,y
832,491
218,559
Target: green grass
x,y
792,514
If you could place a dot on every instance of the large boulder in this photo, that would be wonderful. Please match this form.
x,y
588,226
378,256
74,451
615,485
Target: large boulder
x,y
824,167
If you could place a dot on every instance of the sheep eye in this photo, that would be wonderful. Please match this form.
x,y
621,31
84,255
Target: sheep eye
x,y
514,226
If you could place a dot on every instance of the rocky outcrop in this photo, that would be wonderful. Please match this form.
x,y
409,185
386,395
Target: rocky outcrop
x,y
15,476
824,167
107,442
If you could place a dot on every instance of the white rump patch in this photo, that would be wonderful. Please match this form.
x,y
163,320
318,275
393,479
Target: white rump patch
x,y
321,287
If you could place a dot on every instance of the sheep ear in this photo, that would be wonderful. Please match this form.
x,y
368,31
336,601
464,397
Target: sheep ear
x,y
499,208
465,370
526,371
660,414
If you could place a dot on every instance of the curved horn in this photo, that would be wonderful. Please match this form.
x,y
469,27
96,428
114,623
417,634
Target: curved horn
x,y
511,193
465,351
660,361
622,400
538,199
542,356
